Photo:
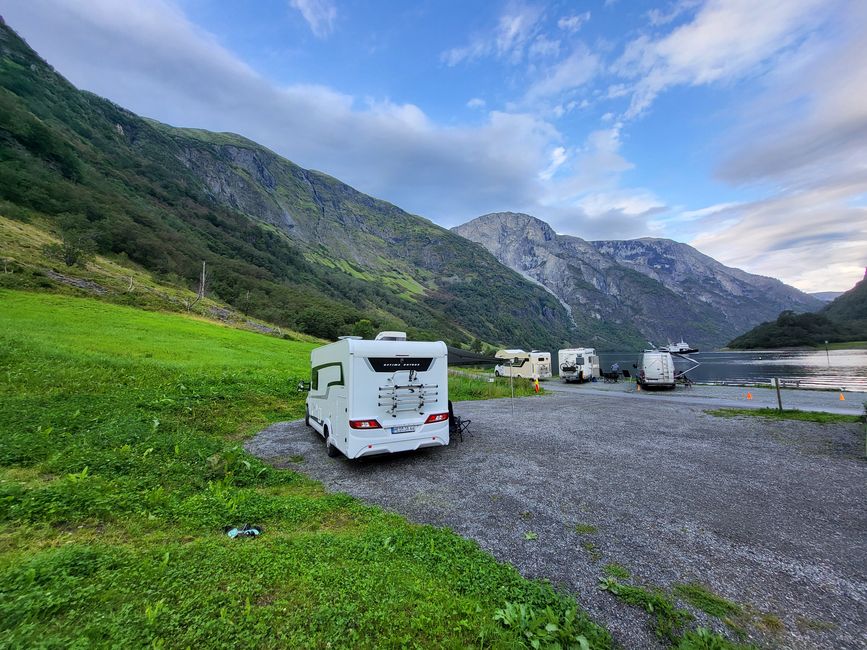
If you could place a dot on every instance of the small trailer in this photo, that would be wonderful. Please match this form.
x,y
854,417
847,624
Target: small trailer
x,y
656,370
578,364
529,365
379,397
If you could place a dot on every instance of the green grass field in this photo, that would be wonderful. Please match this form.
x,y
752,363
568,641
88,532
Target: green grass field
x,y
120,464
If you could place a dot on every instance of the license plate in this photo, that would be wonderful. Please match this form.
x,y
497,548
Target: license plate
x,y
407,429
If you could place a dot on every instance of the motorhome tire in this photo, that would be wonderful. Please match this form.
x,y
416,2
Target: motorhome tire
x,y
330,449
496,373
306,416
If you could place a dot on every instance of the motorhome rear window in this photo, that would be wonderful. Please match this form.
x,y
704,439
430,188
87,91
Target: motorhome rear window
x,y
393,364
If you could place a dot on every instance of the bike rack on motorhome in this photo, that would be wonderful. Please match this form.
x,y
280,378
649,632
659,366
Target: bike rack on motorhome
x,y
379,397
578,364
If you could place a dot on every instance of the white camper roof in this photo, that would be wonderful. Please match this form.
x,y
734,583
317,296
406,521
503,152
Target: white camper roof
x,y
512,354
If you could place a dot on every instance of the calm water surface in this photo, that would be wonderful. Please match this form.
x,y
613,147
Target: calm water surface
x,y
815,369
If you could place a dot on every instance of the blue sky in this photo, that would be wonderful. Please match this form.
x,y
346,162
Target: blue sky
x,y
737,126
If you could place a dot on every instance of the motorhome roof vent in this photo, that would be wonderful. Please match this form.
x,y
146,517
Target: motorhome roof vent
x,y
391,336
349,338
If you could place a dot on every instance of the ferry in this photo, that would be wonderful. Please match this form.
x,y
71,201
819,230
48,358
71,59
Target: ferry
x,y
679,348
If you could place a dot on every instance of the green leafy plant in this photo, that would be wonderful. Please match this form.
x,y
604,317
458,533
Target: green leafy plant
x,y
669,619
543,629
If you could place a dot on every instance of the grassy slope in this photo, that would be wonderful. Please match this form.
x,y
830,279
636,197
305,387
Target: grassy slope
x,y
120,464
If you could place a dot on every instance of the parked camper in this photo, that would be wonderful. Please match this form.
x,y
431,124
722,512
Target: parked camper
x,y
379,397
578,364
657,369
530,365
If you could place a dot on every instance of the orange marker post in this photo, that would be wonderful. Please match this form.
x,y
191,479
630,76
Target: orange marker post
x,y
842,399
536,384
749,395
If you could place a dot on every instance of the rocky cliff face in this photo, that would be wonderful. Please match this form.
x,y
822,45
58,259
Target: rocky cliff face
x,y
625,293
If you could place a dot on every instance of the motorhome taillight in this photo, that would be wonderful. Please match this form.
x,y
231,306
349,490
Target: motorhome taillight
x,y
436,417
364,424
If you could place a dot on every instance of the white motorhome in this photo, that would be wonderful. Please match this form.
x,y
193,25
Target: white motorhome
x,y
529,365
656,370
380,396
578,364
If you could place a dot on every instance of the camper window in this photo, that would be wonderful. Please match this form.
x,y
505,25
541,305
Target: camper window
x,y
330,374
579,361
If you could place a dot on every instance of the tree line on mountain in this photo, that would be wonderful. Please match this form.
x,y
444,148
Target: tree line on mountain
x,y
843,320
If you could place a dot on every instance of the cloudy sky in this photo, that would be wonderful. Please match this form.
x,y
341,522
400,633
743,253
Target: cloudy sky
x,y
738,126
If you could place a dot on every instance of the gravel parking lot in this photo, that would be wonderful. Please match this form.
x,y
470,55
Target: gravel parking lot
x,y
770,515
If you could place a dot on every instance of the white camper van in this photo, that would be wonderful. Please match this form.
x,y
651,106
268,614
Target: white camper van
x,y
530,365
578,364
379,397
657,370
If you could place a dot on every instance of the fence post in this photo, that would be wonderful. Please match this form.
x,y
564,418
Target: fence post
x,y
779,398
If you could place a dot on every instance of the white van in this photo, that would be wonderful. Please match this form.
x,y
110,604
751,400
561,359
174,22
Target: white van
x,y
578,364
379,397
656,370
529,365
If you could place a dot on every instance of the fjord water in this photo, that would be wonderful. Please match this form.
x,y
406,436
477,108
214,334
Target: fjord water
x,y
836,369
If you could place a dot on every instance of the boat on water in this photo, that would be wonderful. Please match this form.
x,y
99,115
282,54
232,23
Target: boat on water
x,y
681,347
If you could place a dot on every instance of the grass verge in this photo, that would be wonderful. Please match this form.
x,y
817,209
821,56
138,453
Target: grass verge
x,y
120,464
469,386
787,414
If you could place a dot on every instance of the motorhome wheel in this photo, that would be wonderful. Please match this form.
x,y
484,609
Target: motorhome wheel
x,y
307,416
331,450
496,373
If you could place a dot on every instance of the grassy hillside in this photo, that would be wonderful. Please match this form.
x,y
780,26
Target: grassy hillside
x,y
843,320
120,464
287,245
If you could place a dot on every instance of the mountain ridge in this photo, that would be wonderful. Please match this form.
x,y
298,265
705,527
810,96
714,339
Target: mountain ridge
x,y
292,246
647,289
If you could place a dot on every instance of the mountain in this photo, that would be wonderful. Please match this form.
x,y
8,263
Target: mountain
x,y
622,294
841,321
826,296
285,244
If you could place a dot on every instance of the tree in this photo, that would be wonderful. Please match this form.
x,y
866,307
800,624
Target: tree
x,y
74,249
364,329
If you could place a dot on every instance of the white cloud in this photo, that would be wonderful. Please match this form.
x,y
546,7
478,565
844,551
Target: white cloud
x,y
804,140
659,17
574,22
476,102
570,73
515,28
726,40
558,157
544,47
809,238
319,14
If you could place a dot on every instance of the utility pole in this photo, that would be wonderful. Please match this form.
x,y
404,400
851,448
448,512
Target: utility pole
x,y
827,354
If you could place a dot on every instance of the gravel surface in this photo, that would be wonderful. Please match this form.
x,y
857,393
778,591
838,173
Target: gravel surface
x,y
768,514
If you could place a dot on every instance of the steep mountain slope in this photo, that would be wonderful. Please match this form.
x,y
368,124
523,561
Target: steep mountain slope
x,y
841,321
292,246
624,293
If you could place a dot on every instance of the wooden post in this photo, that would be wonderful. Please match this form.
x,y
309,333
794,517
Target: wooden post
x,y
779,398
